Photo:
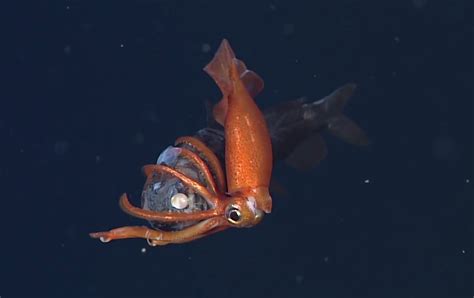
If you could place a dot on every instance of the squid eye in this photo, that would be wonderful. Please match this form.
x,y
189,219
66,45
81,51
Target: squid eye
x,y
233,215
179,201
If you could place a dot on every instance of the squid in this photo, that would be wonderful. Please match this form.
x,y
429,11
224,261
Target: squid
x,y
220,177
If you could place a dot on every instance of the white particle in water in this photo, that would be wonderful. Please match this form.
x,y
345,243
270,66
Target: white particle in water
x,y
299,278
61,147
67,49
288,29
419,3
205,47
366,181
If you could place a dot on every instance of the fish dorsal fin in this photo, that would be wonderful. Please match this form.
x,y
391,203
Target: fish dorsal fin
x,y
218,69
334,103
309,153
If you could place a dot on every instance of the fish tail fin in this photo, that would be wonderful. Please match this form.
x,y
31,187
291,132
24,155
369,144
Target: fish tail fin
x,y
337,123
225,69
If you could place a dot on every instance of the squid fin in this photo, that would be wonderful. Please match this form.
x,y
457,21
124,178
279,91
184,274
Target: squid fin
x,y
221,68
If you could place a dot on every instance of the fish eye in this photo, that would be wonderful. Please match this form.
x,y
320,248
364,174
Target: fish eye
x,y
233,215
179,201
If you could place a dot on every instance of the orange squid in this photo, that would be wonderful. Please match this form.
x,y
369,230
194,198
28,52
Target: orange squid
x,y
235,197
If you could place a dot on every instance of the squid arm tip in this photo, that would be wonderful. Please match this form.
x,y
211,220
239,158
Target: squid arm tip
x,y
101,236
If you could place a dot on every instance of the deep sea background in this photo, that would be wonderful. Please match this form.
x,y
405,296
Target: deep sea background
x,y
93,90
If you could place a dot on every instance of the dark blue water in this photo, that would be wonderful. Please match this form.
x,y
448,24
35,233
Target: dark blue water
x,y
93,91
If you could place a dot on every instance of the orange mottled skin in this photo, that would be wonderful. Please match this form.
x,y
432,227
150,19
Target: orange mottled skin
x,y
248,145
248,149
